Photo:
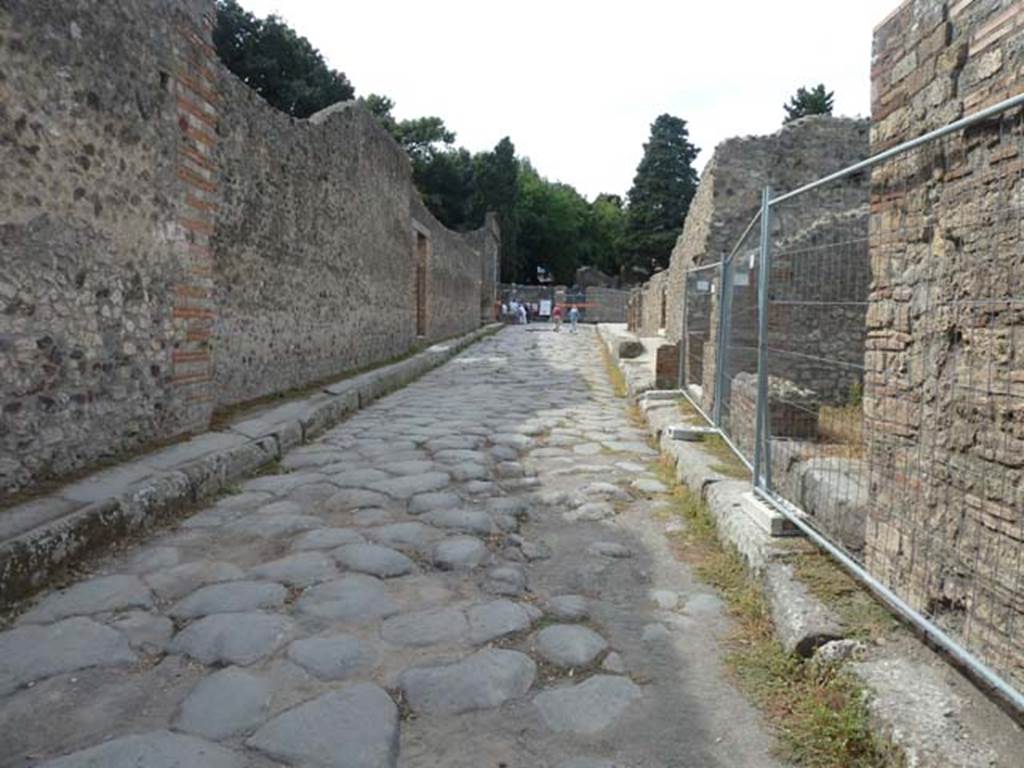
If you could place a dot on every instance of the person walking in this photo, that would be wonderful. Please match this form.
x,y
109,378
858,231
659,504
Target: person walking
x,y
574,318
556,317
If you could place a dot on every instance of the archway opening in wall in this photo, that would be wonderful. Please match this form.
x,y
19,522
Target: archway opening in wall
x,y
422,248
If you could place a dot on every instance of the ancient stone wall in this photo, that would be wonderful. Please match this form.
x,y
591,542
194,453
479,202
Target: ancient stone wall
x,y
944,403
169,243
97,283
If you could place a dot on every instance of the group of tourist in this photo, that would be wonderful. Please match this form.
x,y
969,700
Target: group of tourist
x,y
522,313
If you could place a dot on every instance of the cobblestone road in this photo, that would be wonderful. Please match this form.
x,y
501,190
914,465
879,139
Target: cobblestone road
x,y
468,573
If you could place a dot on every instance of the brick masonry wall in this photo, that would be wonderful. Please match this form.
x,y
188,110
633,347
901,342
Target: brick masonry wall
x,y
944,402
170,244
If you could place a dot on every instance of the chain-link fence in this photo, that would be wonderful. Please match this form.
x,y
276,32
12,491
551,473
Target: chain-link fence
x,y
873,376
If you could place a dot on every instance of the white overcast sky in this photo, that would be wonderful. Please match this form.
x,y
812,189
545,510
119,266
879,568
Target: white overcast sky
x,y
577,84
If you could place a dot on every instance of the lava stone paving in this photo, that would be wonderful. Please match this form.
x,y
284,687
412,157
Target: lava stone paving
x,y
473,572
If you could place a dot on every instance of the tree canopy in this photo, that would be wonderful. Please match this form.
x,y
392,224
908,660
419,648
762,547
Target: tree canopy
x,y
663,187
816,101
280,65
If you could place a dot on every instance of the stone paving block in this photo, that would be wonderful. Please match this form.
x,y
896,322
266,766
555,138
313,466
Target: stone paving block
x,y
327,538
333,657
98,595
229,597
156,749
429,502
375,560
355,727
298,570
34,652
355,598
172,583
233,638
225,703
459,553
497,618
483,680
588,707
408,486
569,645
427,627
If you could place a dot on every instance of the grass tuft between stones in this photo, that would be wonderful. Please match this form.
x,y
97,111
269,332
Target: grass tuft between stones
x,y
615,376
819,712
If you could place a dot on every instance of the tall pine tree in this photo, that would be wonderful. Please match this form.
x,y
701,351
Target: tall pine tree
x,y
497,189
663,187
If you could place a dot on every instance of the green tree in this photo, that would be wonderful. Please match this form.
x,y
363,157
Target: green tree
x,y
816,101
447,182
552,220
380,107
663,187
497,189
606,232
284,68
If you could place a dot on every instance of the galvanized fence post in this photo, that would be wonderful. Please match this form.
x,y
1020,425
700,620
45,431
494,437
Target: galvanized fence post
x,y
722,342
762,433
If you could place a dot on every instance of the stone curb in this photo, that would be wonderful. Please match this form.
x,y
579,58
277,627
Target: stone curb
x,y
110,505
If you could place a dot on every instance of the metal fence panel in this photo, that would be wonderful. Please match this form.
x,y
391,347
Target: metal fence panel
x,y
862,350
893,381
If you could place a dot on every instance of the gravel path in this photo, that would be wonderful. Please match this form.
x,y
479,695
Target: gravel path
x,y
470,574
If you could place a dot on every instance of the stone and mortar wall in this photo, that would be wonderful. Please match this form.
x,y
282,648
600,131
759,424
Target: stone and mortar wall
x,y
169,243
454,272
944,389
99,287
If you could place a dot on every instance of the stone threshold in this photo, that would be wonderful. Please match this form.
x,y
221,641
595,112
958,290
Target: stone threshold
x,y
41,537
921,703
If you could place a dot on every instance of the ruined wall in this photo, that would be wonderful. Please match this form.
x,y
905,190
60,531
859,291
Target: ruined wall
x,y
169,243
944,402
728,197
654,299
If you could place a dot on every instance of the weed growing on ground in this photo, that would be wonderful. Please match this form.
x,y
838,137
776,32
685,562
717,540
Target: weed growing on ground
x,y
615,376
728,464
690,413
819,712
865,617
